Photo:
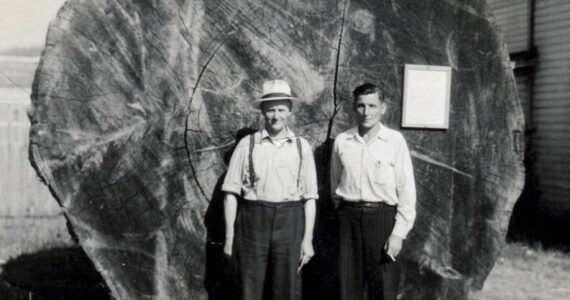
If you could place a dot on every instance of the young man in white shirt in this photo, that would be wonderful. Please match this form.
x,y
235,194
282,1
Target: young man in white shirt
x,y
273,174
372,185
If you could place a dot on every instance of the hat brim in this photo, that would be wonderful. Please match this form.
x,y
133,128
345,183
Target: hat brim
x,y
257,103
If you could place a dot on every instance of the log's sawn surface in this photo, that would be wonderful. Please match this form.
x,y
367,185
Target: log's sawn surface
x,y
136,103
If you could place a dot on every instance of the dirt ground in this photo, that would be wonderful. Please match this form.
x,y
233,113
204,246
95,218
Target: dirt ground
x,y
520,273
525,273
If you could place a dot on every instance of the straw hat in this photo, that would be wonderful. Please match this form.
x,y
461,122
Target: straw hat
x,y
274,90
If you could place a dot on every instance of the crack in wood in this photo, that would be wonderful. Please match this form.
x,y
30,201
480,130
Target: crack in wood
x,y
432,161
335,81
207,63
188,154
216,147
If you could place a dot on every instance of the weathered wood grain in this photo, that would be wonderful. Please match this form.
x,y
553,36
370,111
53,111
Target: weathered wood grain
x,y
135,104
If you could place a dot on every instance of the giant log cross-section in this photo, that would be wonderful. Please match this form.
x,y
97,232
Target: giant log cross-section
x,y
136,102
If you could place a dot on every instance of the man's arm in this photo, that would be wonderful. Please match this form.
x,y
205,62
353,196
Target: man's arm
x,y
232,186
406,209
309,194
230,211
307,251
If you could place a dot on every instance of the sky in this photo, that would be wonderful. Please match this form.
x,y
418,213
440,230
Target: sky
x,y
24,23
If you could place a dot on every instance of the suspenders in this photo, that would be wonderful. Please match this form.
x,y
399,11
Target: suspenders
x,y
250,158
300,150
251,171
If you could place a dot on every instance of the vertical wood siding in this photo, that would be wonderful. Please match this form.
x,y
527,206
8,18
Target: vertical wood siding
x,y
512,18
550,110
21,192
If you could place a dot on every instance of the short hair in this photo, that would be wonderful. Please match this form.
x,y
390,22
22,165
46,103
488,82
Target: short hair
x,y
367,89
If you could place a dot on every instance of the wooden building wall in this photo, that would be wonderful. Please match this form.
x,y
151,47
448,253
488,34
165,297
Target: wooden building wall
x,y
551,109
539,43
21,192
512,17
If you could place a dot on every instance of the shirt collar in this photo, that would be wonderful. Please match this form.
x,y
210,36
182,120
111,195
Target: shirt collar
x,y
380,134
289,135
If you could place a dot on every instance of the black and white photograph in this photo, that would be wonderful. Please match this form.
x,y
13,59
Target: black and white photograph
x,y
284,149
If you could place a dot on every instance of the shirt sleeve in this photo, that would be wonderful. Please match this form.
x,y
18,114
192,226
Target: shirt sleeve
x,y
406,189
234,176
309,185
335,170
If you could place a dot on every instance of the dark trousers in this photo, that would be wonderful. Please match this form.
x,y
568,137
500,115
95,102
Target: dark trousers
x,y
364,266
267,247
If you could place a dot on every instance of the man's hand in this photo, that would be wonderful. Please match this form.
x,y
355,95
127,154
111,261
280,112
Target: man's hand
x,y
230,212
336,201
228,247
393,246
307,252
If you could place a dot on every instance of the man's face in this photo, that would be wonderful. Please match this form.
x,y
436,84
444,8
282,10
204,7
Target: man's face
x,y
369,109
276,114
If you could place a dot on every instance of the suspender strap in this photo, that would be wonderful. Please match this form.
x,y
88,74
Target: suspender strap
x,y
250,158
251,170
300,149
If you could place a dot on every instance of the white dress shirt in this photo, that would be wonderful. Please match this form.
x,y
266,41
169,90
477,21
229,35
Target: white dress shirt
x,y
276,166
378,171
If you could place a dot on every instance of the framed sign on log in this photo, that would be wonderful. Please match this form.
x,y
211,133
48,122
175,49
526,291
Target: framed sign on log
x,y
426,96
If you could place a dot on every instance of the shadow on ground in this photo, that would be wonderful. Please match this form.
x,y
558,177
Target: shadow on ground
x,y
56,274
535,223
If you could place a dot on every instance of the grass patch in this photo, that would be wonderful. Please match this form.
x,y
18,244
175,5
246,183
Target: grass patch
x,y
526,273
39,260
19,235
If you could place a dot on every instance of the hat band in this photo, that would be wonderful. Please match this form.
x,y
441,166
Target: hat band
x,y
276,95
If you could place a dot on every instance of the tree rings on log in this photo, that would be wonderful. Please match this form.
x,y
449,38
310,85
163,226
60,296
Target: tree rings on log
x,y
136,104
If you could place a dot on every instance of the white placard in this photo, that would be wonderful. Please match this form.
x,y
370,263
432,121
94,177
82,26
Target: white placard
x,y
426,96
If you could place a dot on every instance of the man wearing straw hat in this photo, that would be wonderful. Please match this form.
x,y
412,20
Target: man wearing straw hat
x,y
269,208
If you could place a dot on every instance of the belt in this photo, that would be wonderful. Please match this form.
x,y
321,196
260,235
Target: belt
x,y
271,203
364,204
